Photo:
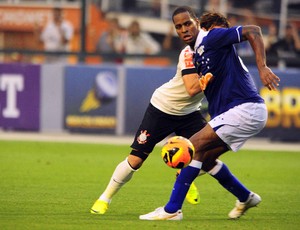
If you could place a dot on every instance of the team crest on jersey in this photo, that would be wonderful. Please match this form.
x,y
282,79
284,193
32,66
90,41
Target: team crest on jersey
x,y
200,50
142,138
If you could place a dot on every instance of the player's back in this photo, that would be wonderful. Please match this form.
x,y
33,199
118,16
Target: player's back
x,y
232,84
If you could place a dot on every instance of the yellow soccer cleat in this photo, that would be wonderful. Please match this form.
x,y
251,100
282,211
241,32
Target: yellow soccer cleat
x,y
193,196
99,207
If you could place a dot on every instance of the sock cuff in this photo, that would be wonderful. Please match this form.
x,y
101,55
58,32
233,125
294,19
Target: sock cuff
x,y
104,198
217,168
129,166
196,164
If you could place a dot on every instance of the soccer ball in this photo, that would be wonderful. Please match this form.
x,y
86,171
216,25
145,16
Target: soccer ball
x,y
178,152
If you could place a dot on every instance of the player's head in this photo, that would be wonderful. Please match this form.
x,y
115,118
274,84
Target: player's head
x,y
134,28
186,24
57,14
211,19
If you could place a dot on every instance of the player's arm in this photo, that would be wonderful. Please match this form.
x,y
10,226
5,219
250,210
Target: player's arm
x,y
195,84
191,82
253,34
189,73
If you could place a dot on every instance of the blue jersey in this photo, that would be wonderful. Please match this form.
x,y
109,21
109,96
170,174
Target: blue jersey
x,y
232,84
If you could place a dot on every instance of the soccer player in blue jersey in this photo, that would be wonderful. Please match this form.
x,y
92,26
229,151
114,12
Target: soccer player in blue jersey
x,y
237,111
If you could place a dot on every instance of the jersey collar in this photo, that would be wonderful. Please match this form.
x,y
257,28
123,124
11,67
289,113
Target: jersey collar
x,y
200,37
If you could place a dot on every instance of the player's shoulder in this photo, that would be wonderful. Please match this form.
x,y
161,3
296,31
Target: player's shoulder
x,y
186,52
186,58
221,31
186,49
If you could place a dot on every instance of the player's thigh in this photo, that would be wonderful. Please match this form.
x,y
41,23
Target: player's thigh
x,y
155,126
240,123
205,139
190,124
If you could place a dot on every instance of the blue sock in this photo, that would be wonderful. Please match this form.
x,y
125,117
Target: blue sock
x,y
231,183
181,187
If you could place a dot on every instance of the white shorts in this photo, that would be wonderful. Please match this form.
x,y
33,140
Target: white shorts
x,y
240,123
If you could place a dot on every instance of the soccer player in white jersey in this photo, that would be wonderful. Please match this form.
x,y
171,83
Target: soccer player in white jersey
x,y
174,108
236,109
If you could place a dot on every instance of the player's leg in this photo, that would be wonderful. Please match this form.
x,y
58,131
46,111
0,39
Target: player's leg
x,y
202,140
250,118
234,128
188,125
193,194
150,132
221,173
121,175
245,198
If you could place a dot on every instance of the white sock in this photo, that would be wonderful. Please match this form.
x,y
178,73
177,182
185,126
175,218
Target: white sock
x,y
122,174
217,168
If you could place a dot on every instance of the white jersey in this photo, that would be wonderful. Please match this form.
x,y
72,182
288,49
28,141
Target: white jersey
x,y
142,44
172,97
52,36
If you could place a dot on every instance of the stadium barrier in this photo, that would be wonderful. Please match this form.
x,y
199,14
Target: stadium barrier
x,y
111,99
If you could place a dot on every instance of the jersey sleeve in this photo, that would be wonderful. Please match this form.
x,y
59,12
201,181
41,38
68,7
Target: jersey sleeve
x,y
225,36
186,61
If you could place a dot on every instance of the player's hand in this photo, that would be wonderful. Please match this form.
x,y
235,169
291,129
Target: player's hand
x,y
268,78
204,80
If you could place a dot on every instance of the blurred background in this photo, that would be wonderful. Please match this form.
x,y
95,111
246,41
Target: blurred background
x,y
93,19
79,65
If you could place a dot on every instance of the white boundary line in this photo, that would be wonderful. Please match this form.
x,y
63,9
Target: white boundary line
x,y
254,144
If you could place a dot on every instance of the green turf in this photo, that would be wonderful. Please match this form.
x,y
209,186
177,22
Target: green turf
x,y
53,185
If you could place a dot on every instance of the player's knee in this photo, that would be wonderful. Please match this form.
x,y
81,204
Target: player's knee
x,y
136,158
209,163
207,167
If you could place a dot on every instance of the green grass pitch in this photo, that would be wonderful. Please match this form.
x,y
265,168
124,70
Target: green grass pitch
x,y
48,185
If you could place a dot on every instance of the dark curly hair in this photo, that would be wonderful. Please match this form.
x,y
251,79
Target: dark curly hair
x,y
209,19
